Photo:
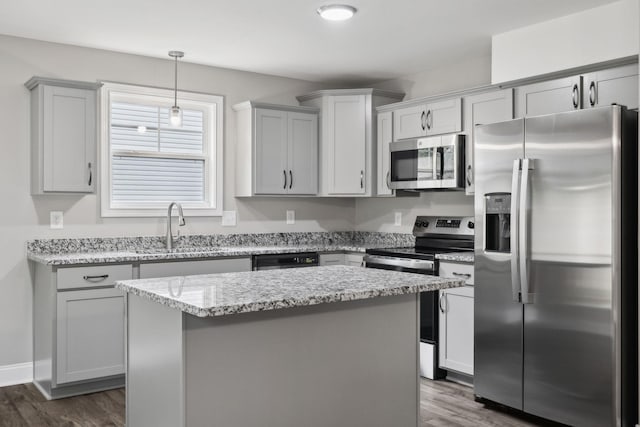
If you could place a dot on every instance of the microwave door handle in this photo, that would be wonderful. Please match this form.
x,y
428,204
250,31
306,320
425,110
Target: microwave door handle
x,y
515,231
524,214
438,160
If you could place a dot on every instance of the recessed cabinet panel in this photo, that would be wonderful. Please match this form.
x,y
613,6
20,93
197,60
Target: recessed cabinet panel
x,y
554,96
456,330
90,334
302,137
444,117
63,136
409,122
385,137
614,86
347,154
271,148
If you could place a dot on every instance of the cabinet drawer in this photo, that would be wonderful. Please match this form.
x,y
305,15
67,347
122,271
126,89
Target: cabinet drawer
x,y
457,271
186,268
90,277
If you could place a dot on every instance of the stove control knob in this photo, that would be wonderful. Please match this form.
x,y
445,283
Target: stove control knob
x,y
471,225
425,224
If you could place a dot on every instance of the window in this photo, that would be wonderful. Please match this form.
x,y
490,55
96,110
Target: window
x,y
147,164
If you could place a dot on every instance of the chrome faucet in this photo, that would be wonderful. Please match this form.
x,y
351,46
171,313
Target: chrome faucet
x,y
170,239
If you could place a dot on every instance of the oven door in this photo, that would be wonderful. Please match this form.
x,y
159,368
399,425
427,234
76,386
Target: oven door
x,y
414,164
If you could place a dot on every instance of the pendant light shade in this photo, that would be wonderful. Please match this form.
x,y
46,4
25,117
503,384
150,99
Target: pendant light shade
x,y
175,114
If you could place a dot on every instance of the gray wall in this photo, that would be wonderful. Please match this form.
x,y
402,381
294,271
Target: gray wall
x,y
24,217
378,214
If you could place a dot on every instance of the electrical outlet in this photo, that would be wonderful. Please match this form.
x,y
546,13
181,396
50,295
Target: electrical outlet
x,y
229,219
398,219
291,217
56,220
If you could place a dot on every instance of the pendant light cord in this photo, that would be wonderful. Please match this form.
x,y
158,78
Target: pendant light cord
x,y
175,92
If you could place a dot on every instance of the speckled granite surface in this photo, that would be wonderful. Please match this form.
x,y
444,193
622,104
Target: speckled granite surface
x,y
135,249
456,257
233,293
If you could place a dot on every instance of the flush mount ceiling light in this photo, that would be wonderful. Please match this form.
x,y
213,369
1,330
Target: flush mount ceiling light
x,y
337,12
175,116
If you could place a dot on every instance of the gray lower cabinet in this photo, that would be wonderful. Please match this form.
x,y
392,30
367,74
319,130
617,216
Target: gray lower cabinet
x,y
90,342
456,320
78,323
352,259
185,268
63,136
331,259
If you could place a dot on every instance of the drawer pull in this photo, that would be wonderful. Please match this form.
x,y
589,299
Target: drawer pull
x,y
95,278
465,275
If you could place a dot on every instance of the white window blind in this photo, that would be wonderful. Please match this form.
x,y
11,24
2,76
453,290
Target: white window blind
x,y
152,163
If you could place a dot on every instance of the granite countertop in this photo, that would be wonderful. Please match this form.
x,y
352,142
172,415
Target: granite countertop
x,y
456,257
139,249
233,293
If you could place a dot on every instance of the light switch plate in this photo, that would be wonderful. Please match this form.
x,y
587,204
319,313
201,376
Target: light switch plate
x,y
56,220
398,219
229,219
291,217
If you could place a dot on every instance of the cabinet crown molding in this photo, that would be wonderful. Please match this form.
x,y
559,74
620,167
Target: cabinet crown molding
x,y
365,91
37,80
253,104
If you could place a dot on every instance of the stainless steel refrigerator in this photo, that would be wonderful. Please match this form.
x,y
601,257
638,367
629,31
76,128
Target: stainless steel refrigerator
x,y
556,266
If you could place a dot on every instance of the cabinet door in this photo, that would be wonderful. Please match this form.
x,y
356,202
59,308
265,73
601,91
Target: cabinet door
x,y
456,330
354,260
331,259
90,334
409,122
384,136
483,109
347,144
554,96
444,117
69,139
614,86
302,137
271,152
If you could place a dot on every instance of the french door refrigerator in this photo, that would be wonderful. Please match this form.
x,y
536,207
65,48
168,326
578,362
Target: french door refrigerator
x,y
556,266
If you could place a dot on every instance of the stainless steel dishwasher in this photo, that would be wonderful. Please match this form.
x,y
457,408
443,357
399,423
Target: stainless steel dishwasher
x,y
278,261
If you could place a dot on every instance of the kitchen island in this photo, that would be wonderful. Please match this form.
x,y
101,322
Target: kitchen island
x,y
318,346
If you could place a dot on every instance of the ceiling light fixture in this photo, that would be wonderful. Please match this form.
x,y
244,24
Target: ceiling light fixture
x,y
337,12
175,115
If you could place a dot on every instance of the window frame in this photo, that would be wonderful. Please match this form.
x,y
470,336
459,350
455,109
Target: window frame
x,y
213,106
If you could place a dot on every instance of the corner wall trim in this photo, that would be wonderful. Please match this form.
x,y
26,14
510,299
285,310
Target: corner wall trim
x,y
20,373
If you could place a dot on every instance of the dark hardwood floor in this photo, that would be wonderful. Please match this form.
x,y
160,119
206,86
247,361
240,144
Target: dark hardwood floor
x,y
442,404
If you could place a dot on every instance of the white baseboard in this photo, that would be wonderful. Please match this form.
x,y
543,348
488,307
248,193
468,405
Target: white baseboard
x,y
20,373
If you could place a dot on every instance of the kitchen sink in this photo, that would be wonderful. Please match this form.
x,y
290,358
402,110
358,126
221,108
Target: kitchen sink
x,y
185,250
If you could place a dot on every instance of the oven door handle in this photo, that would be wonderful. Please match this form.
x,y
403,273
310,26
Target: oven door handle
x,y
416,264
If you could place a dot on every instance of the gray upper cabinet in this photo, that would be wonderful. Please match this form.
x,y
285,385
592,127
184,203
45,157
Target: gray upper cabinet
x,y
482,109
348,149
276,150
613,86
554,96
63,136
617,85
432,118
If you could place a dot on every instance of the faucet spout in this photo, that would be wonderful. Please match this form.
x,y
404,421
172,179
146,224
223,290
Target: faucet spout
x,y
170,240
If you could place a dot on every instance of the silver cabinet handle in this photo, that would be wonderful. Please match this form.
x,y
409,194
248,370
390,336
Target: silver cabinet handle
x,y
464,275
440,301
515,230
575,96
389,180
95,278
429,119
422,122
290,179
284,173
592,94
361,179
469,174
90,175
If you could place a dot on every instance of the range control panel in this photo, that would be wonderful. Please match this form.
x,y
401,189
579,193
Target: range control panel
x,y
443,225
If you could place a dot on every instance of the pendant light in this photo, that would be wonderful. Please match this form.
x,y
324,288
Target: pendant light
x,y
175,115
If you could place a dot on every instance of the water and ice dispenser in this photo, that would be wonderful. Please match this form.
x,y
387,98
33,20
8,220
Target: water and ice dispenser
x,y
498,222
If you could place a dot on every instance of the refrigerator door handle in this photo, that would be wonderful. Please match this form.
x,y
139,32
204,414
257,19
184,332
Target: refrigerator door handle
x,y
515,231
523,231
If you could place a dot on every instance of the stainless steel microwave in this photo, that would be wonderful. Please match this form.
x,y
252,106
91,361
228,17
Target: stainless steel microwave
x,y
428,163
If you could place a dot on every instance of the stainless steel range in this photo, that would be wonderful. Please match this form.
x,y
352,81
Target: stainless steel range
x,y
434,235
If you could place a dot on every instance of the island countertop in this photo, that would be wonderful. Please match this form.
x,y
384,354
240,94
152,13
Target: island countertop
x,y
233,293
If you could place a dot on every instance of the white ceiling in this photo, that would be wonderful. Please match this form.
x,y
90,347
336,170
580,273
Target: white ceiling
x,y
386,39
